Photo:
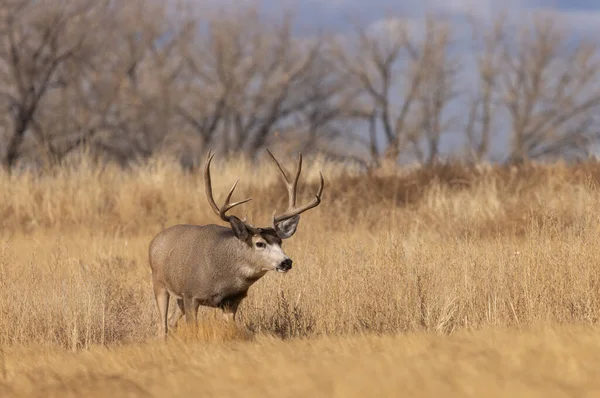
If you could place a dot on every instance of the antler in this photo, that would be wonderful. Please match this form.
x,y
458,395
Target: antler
x,y
292,210
220,211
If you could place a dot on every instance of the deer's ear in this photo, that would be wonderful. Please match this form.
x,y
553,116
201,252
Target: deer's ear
x,y
239,228
286,228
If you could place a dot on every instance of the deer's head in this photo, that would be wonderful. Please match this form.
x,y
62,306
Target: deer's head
x,y
265,244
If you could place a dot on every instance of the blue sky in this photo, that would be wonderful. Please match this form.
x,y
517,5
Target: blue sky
x,y
332,13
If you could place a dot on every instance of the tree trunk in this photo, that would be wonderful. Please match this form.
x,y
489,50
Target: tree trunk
x,y
14,145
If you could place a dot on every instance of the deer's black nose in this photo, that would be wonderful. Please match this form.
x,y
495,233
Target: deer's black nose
x,y
286,264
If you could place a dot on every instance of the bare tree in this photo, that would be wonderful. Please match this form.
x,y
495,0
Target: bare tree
x,y
406,82
133,87
117,96
245,79
483,98
327,113
550,88
39,41
436,92
132,81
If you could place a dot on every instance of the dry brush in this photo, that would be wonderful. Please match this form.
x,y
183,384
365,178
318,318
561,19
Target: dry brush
x,y
438,249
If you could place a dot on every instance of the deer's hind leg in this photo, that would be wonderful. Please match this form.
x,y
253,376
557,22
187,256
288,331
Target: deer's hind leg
x,y
190,306
177,314
162,304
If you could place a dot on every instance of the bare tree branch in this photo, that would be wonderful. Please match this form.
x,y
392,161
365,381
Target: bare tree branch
x,y
551,90
407,81
38,44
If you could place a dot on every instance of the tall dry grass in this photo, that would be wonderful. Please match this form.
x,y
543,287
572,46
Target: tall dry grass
x,y
448,250
440,249
558,362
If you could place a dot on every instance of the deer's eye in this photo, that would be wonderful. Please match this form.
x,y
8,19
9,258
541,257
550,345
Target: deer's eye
x,y
261,245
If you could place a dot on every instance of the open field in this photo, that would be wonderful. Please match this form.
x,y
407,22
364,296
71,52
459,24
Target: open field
x,y
557,362
443,280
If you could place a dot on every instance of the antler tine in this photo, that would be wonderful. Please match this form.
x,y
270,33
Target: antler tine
x,y
221,212
285,177
228,206
208,184
292,211
291,186
292,199
321,185
249,224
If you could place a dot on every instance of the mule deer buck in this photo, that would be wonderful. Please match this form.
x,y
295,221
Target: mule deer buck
x,y
214,266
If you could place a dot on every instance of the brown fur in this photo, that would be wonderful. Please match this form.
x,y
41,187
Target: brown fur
x,y
215,266
203,265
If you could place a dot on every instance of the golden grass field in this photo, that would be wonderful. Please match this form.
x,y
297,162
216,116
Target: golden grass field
x,y
448,281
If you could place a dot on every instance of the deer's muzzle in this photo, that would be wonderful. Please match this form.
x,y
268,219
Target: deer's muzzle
x,y
285,265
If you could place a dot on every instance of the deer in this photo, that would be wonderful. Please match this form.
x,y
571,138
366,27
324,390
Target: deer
x,y
214,265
